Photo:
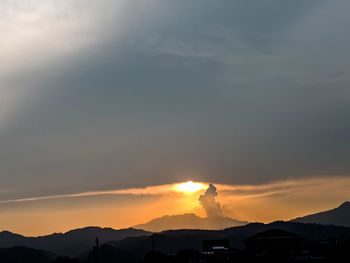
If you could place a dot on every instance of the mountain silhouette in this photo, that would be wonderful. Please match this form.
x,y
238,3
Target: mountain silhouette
x,y
130,245
337,216
73,243
24,254
189,221
174,240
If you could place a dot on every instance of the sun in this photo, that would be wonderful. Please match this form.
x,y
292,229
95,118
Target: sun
x,y
189,187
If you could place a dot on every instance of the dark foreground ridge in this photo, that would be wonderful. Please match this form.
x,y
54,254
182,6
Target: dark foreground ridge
x,y
74,243
24,254
254,242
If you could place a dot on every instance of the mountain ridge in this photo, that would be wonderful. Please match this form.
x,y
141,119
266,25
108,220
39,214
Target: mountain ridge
x,y
71,243
172,241
188,221
337,216
169,241
78,242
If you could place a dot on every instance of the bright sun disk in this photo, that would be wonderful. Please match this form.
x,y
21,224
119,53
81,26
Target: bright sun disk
x,y
189,187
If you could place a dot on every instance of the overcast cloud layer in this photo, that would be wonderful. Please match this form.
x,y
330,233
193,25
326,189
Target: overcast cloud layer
x,y
99,95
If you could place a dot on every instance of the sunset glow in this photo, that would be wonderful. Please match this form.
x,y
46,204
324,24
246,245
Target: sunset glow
x,y
189,187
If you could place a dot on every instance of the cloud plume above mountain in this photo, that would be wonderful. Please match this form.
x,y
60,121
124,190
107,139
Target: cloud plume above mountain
x,y
209,203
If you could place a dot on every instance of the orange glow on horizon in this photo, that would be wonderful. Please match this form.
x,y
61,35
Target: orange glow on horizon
x,y
122,208
189,187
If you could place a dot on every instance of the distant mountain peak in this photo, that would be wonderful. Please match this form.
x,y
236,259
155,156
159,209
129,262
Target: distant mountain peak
x,y
189,221
337,216
345,205
9,234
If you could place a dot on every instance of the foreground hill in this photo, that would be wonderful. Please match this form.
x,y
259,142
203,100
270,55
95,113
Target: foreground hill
x,y
175,240
73,243
27,255
131,245
189,221
337,216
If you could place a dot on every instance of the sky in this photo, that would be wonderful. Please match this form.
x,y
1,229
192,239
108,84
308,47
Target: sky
x,y
101,96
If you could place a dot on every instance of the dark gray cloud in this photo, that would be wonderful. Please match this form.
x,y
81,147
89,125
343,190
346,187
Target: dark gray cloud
x,y
231,92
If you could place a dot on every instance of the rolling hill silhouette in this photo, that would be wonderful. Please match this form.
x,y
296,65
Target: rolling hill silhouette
x,y
174,240
131,245
73,243
24,254
337,216
189,221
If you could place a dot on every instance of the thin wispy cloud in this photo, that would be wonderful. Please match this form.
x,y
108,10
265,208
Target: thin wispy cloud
x,y
302,186
151,190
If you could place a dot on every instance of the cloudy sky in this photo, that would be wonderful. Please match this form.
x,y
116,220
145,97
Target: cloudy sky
x,y
108,95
